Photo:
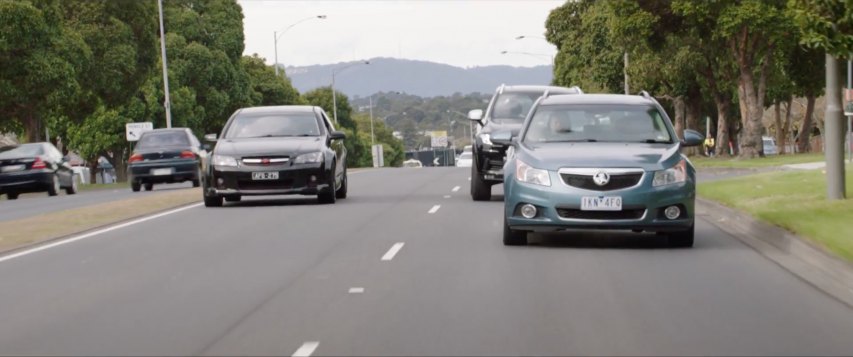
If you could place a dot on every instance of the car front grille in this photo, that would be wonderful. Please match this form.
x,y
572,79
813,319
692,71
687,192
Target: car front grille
x,y
573,213
617,182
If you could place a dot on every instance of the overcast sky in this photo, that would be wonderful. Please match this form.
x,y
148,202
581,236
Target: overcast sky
x,y
463,33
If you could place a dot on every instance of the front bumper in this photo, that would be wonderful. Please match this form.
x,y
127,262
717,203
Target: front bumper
x,y
648,202
181,170
302,179
26,181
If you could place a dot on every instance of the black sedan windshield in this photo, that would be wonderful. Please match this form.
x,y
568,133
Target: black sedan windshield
x,y
593,123
273,125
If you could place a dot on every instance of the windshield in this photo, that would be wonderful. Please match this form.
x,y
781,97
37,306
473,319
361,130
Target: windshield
x,y
273,125
25,150
514,106
153,139
600,122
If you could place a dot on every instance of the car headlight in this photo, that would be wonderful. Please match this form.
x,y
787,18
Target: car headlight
x,y
309,158
486,139
222,160
673,175
526,173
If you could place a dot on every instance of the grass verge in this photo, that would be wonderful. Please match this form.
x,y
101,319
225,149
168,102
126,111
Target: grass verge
x,y
735,163
794,200
104,186
26,231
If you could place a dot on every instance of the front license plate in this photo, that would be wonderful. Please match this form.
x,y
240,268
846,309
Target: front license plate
x,y
11,168
265,176
601,203
161,172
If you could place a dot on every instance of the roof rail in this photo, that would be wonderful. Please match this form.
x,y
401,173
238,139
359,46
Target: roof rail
x,y
547,93
645,94
580,91
501,88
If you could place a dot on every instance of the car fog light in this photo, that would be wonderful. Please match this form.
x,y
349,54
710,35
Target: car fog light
x,y
220,182
672,212
313,178
528,211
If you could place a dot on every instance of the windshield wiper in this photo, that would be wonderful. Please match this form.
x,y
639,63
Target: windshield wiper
x,y
655,141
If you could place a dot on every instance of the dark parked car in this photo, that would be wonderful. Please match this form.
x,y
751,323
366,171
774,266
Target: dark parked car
x,y
506,112
280,150
165,156
36,167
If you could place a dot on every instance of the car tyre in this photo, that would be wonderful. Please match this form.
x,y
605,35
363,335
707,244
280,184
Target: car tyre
x,y
12,195
212,201
70,190
135,186
54,188
480,190
197,180
329,196
514,237
342,192
149,186
682,239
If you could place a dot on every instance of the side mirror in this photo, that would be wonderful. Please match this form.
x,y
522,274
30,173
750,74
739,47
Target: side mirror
x,y
476,115
502,138
692,138
336,135
210,137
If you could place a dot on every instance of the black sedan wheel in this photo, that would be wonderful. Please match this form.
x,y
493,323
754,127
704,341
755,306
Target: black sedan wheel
x,y
70,190
135,186
342,192
12,196
54,188
213,201
149,186
329,196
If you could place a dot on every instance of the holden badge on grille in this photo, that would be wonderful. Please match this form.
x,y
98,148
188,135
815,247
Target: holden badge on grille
x,y
601,178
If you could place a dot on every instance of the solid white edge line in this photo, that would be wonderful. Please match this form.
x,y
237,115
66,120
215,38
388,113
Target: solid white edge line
x,y
393,251
434,209
306,349
73,239
456,189
446,196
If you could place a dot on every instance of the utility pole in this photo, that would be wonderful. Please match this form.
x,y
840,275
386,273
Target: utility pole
x,y
275,47
849,141
625,72
834,132
167,103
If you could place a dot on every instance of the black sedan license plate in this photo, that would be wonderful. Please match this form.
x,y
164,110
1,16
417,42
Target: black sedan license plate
x,y
265,176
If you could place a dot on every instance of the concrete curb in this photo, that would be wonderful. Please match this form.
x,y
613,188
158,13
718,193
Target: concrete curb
x,y
808,262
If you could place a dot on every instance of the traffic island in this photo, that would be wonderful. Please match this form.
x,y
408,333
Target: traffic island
x,y
30,231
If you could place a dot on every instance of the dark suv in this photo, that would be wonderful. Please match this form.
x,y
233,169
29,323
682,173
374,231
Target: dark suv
x,y
505,113
165,156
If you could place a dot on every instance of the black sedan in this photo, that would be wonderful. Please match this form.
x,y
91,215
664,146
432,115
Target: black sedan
x,y
165,156
35,167
281,150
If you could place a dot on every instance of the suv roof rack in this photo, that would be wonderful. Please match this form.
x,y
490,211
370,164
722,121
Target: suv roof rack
x,y
577,88
501,88
645,94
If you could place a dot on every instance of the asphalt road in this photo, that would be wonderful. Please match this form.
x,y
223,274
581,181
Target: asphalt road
x,y
32,204
280,277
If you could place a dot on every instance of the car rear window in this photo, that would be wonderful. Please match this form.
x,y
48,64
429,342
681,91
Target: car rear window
x,y
273,125
163,139
21,151
597,122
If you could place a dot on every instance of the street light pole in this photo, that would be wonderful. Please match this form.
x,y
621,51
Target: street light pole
x,y
276,35
335,71
167,103
834,132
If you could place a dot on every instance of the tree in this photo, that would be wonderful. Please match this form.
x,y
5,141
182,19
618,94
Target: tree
x,y
266,87
358,154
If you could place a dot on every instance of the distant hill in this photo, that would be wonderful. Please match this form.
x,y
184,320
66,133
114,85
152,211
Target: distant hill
x,y
421,78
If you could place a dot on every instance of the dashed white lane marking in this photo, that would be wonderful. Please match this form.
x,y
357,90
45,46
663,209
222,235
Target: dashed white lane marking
x,y
393,251
356,290
97,232
456,188
446,196
469,178
434,209
306,349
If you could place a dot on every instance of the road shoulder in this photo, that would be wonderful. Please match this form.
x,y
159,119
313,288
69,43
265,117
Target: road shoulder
x,y
810,263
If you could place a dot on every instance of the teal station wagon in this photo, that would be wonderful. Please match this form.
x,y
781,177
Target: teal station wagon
x,y
599,161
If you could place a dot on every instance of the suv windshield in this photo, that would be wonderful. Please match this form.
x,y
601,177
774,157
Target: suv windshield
x,y
170,138
599,122
273,125
25,150
513,106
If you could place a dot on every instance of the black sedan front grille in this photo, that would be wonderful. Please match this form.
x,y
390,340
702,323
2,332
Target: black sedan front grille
x,y
573,213
617,182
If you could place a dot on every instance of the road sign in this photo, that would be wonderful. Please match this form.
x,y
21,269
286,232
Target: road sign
x,y
848,109
377,154
438,139
135,130
435,161
848,100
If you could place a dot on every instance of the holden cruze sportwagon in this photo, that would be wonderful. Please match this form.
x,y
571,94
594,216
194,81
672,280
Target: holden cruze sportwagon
x,y
278,150
599,161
